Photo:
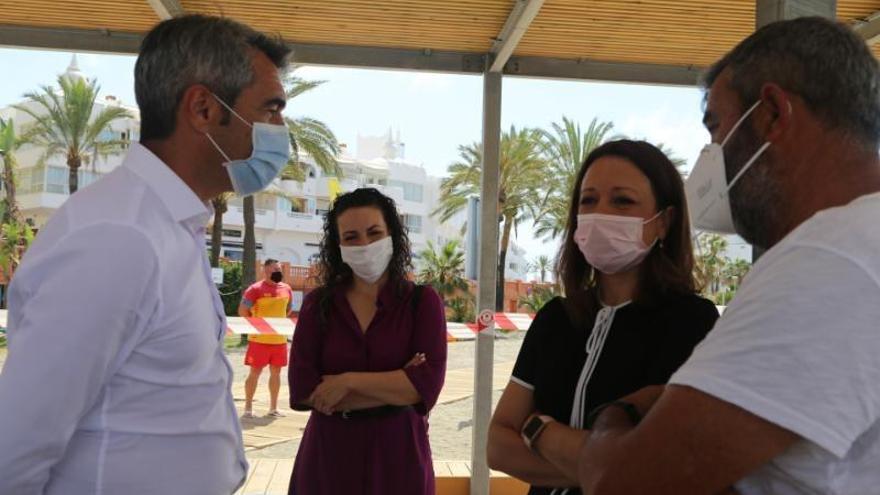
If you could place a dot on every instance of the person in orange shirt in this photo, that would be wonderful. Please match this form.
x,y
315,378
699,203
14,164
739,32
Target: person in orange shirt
x,y
268,298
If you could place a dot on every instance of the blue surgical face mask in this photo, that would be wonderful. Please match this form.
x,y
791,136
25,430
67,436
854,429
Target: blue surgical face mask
x,y
271,153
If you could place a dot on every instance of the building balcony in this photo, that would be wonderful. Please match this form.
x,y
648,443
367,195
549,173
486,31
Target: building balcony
x,y
300,222
265,219
276,220
301,189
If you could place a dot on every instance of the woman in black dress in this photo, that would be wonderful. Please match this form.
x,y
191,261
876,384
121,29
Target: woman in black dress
x,y
630,317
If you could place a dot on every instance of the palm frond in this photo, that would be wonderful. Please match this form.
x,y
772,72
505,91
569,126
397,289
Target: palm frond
x,y
315,138
565,146
310,136
296,86
9,142
443,269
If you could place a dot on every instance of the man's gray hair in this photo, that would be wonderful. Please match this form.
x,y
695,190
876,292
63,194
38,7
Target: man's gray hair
x,y
822,61
195,49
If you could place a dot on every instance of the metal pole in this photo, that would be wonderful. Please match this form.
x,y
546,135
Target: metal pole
x,y
767,11
472,242
488,262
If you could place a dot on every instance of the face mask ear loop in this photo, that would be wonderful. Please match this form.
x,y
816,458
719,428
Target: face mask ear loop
x,y
225,157
739,122
231,110
747,165
646,222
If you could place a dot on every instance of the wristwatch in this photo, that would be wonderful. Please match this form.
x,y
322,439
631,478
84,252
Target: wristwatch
x,y
533,428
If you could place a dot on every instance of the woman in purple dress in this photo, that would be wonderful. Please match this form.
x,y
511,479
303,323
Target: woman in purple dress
x,y
368,359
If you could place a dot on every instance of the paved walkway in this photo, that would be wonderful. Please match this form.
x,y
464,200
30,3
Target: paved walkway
x,y
271,476
261,432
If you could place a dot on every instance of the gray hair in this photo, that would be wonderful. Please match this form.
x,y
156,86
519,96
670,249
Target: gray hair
x,y
195,49
822,61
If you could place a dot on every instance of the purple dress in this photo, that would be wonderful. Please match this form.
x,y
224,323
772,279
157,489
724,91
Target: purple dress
x,y
373,455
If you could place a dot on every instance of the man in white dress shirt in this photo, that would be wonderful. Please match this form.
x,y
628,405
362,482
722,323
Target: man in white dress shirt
x,y
116,381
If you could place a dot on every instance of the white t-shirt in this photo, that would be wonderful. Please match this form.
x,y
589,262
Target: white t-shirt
x,y
800,347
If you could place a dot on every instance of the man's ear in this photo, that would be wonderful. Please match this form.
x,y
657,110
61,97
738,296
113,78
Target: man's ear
x,y
776,118
199,109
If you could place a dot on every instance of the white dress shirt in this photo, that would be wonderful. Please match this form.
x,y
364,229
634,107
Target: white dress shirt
x,y
116,381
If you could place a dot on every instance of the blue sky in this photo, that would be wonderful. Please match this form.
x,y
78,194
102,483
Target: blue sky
x,y
434,112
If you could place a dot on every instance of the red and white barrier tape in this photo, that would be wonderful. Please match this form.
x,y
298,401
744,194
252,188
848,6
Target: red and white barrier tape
x,y
285,326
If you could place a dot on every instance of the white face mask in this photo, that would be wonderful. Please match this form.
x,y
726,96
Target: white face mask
x,y
612,243
369,262
707,189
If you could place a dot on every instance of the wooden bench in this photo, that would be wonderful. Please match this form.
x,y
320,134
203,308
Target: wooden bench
x,y
454,478
271,477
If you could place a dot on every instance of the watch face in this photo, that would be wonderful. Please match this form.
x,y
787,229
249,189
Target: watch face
x,y
532,427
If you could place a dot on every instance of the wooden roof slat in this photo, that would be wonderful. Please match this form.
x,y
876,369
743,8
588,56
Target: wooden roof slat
x,y
682,33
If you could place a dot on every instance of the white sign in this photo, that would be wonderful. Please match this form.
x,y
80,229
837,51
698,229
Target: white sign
x,y
297,300
217,275
485,319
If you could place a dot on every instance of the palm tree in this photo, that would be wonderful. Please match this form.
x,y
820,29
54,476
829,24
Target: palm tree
x,y
15,237
566,147
522,175
444,270
249,247
15,233
221,206
308,135
734,273
537,299
679,162
542,265
461,309
710,263
9,143
65,124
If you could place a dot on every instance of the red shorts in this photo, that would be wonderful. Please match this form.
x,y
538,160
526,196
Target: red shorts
x,y
259,355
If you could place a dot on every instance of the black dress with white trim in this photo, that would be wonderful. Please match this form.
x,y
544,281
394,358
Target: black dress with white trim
x,y
622,349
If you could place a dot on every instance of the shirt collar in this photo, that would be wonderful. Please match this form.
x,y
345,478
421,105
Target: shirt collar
x,y
180,201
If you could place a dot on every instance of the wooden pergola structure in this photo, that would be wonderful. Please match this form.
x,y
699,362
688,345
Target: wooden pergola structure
x,y
649,41
645,41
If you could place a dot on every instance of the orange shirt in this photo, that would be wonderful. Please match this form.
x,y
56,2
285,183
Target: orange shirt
x,y
268,300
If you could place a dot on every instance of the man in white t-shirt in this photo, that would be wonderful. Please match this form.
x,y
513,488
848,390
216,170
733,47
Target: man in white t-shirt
x,y
783,396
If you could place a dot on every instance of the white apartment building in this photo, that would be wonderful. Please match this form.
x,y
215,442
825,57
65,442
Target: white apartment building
x,y
43,183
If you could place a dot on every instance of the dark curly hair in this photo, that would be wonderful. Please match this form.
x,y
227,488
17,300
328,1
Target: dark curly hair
x,y
332,271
